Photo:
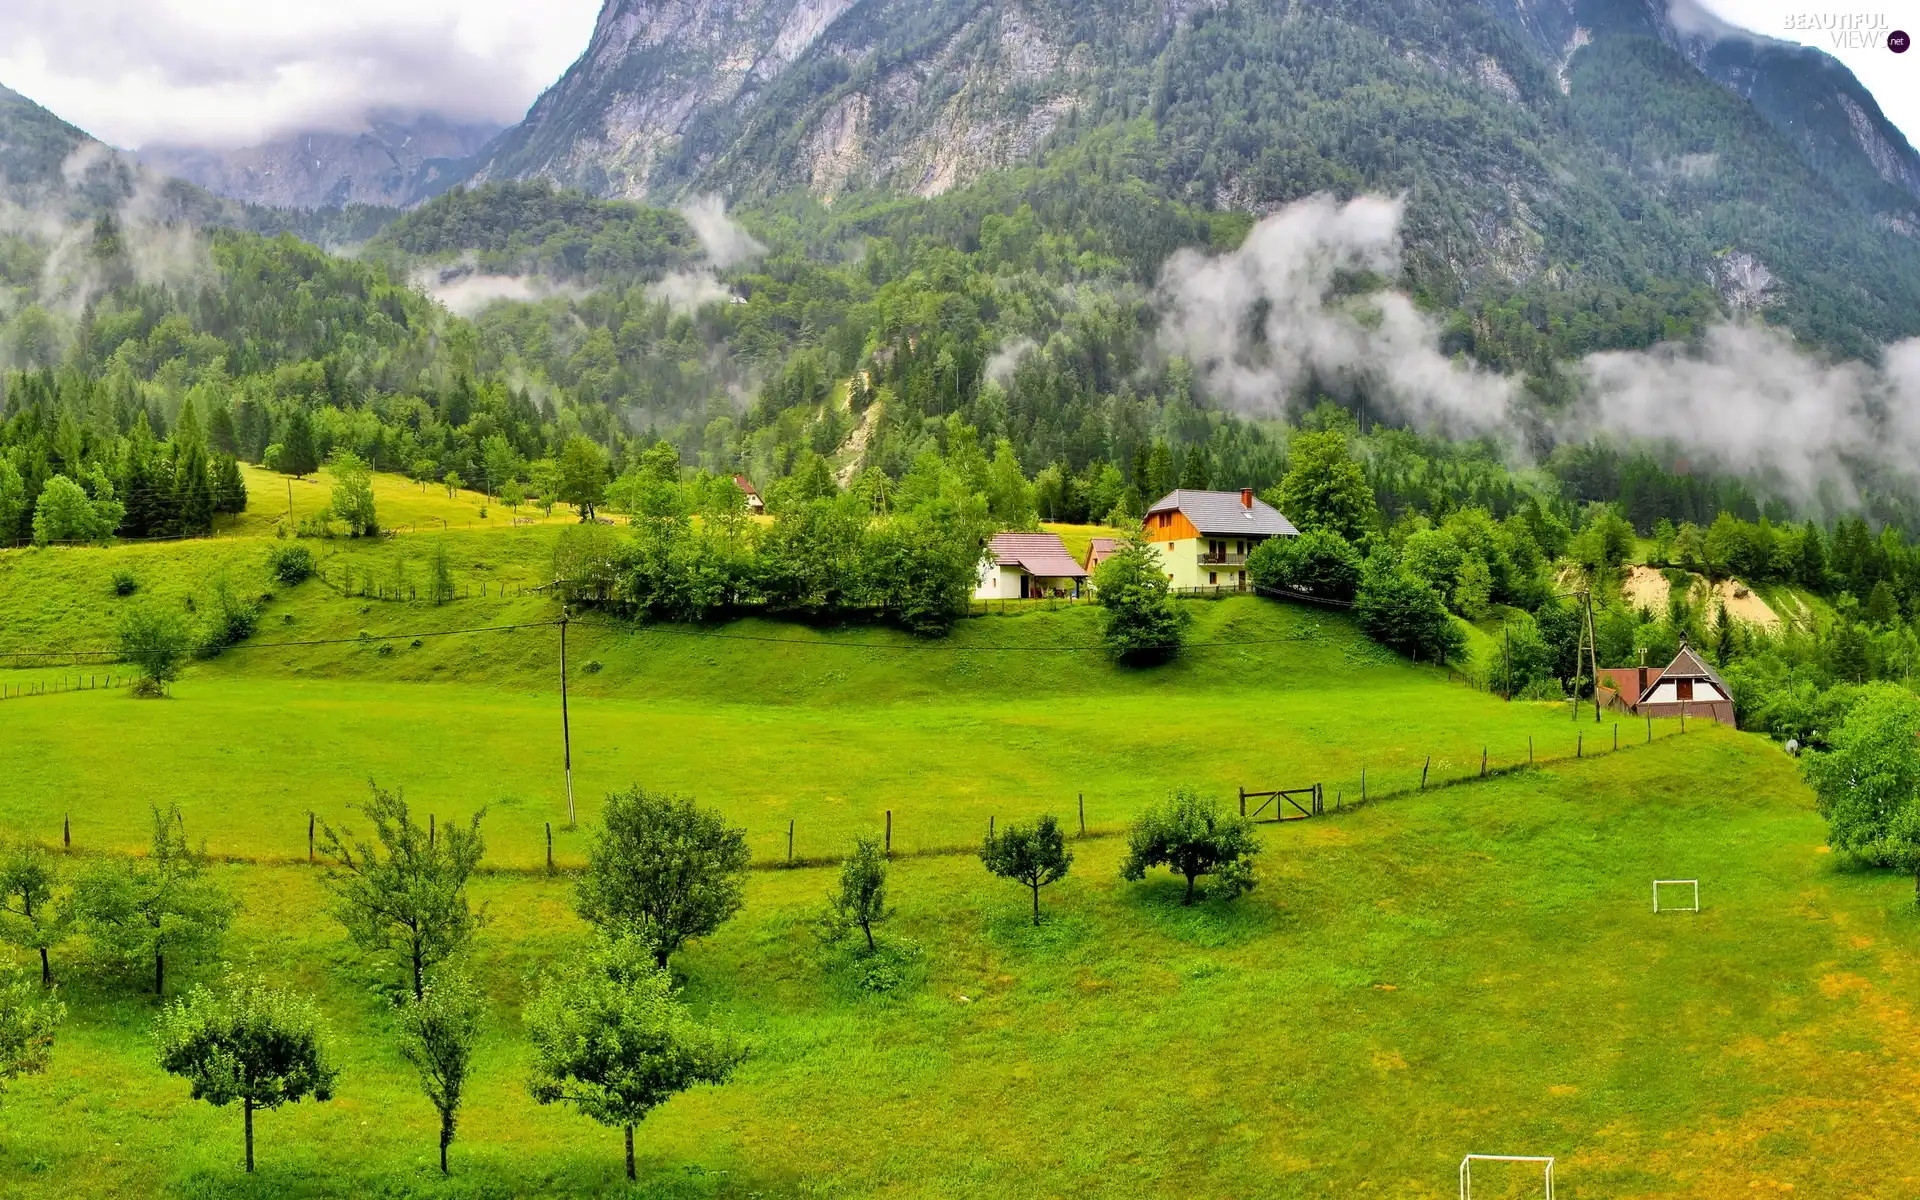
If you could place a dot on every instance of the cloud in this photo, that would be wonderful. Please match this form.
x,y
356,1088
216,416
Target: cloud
x,y
1280,314
465,291
225,73
688,291
1269,319
726,241
1000,367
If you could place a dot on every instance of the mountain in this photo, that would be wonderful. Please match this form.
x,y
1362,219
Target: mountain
x,y
1545,147
396,162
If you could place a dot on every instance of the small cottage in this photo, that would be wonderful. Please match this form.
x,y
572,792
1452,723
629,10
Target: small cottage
x,y
755,504
1099,550
1026,566
1687,686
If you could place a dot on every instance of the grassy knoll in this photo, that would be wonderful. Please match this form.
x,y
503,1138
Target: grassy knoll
x,y
1473,968
401,503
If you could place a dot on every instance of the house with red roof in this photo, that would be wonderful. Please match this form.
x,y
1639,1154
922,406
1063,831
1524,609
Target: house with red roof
x,y
755,504
1025,566
1686,687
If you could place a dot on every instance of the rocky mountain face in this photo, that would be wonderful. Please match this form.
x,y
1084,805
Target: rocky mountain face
x,y
1538,142
397,162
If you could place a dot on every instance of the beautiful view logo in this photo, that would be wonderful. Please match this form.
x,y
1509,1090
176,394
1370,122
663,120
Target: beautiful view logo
x,y
1850,31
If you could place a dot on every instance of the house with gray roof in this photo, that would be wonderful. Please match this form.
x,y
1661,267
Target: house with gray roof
x,y
1203,538
1027,566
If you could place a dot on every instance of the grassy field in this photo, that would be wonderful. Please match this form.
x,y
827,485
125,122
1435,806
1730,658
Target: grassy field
x,y
1464,968
1474,968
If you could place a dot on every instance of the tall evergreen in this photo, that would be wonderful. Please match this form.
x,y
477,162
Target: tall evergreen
x,y
298,457
192,482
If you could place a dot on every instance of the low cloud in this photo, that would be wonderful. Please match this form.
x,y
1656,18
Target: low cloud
x,y
465,290
1283,313
689,291
726,242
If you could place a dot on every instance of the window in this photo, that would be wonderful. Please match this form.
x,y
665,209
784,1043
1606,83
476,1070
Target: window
x,y
1212,577
1683,689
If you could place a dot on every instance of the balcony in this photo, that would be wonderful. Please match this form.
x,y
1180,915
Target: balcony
x,y
1222,560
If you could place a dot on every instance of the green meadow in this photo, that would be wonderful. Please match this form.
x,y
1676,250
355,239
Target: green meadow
x,y
1470,967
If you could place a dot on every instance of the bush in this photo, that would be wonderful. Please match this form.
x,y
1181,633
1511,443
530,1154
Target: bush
x,y
124,584
230,620
290,564
1402,611
1319,563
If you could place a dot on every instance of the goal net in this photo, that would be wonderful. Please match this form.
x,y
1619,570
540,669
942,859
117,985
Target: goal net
x,y
1533,1171
1681,895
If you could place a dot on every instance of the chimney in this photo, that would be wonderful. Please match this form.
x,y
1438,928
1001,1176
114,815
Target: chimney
x,y
1246,497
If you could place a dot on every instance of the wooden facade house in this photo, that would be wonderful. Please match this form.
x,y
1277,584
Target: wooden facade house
x,y
1203,538
1686,686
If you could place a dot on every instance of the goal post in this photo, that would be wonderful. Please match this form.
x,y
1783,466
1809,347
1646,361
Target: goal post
x,y
1676,883
1545,1162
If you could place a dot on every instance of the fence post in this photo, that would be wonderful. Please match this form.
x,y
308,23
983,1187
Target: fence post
x,y
549,847
1243,801
1083,814
66,832
1579,745
1423,772
789,841
1649,729
1363,785
1616,735
989,829
1529,749
309,837
1483,762
889,843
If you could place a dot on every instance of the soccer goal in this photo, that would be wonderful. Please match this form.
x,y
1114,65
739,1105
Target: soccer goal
x,y
1466,1170
1670,905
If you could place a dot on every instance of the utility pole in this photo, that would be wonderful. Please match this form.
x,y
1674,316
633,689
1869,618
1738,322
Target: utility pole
x,y
566,731
1507,630
289,504
1593,658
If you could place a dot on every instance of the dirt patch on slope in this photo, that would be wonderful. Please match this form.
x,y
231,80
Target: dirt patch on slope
x,y
1647,587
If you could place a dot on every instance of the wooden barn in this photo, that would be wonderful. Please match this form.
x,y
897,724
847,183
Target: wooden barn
x,y
1686,686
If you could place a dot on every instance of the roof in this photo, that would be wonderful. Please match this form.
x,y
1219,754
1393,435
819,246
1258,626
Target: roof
x,y
1222,512
745,485
1688,665
1100,550
1036,554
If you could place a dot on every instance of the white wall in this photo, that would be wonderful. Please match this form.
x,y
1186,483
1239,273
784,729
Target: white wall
x,y
1665,692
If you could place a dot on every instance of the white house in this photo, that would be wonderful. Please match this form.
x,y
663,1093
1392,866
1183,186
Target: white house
x,y
1023,566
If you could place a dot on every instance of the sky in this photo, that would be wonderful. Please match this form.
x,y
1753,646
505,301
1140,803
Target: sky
x,y
223,73
1894,79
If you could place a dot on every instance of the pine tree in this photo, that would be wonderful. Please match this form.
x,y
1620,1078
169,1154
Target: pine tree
x,y
222,438
192,490
229,489
298,457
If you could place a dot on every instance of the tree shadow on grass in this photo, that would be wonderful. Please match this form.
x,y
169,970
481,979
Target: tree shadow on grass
x,y
1059,930
657,1181
1209,922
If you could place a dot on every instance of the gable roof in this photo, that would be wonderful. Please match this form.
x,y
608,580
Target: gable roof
x,y
1223,513
1036,554
745,485
1688,665
1100,550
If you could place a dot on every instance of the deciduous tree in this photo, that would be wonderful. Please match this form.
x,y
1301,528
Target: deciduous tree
x,y
1325,487
438,1030
664,867
862,897
31,915
405,890
1194,838
145,911
610,1038
1035,855
249,1042
155,641
1141,622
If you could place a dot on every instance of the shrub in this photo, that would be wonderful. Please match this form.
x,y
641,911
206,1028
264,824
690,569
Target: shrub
x,y
124,584
231,619
1319,562
290,564
1402,611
